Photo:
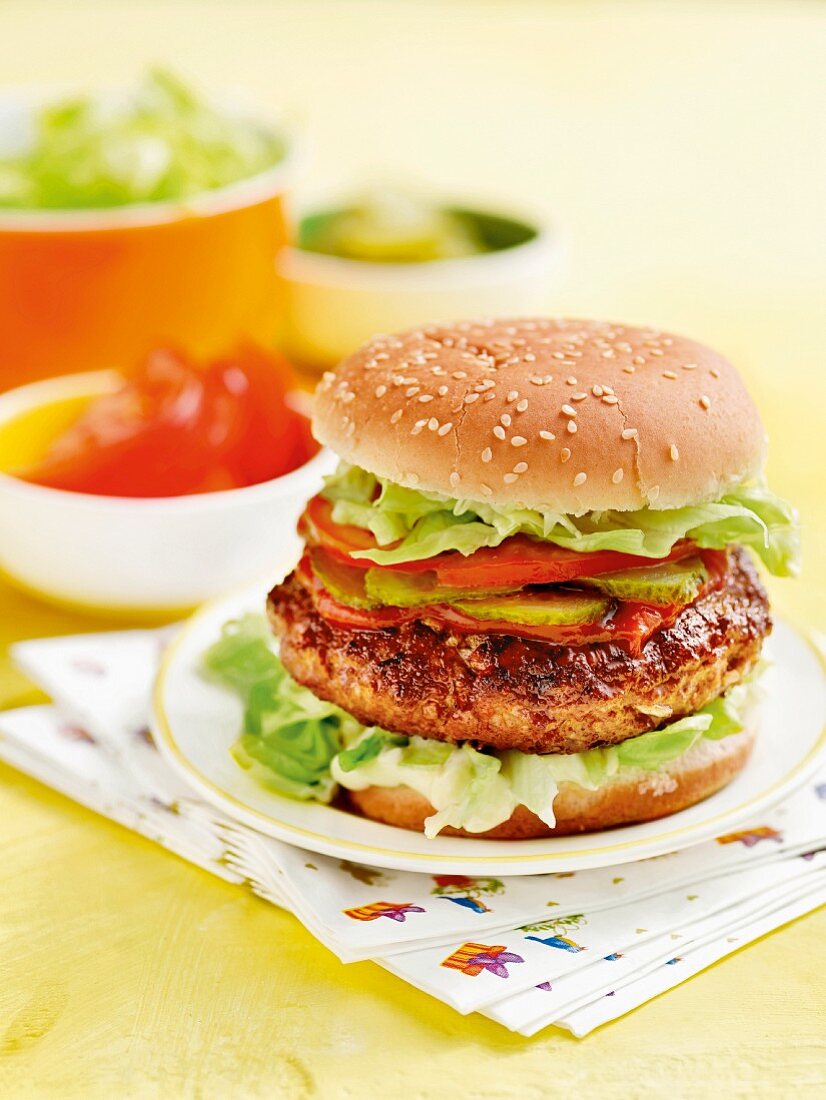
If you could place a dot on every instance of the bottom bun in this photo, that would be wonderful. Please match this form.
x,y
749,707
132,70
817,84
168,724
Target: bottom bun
x,y
644,796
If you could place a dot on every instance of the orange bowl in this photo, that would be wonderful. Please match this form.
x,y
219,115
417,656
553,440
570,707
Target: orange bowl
x,y
90,289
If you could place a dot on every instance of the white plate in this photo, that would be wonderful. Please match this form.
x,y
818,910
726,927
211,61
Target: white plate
x,y
195,722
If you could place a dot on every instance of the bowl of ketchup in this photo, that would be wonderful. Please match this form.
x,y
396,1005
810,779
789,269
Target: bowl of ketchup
x,y
153,492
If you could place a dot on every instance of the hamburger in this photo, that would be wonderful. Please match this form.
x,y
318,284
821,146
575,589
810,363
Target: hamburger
x,y
529,592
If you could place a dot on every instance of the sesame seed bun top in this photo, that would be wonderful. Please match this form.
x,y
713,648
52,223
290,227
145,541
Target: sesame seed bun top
x,y
559,414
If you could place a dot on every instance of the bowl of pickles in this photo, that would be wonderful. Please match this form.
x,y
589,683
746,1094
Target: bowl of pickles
x,y
395,259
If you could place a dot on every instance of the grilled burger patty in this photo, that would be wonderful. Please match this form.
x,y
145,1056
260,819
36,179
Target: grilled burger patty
x,y
512,693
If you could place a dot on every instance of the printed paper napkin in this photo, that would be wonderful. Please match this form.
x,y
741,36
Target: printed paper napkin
x,y
576,949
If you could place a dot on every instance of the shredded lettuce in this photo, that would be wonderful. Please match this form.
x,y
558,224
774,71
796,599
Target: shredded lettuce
x,y
368,748
303,747
426,524
165,142
476,791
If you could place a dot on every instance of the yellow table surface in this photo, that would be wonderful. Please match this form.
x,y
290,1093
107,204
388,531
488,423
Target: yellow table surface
x,y
677,146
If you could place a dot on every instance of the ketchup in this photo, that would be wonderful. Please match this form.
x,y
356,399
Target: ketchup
x,y
177,427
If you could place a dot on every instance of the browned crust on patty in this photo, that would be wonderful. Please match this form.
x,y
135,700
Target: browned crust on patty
x,y
701,772
511,693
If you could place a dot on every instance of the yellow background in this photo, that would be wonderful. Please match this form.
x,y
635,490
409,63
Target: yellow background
x,y
679,148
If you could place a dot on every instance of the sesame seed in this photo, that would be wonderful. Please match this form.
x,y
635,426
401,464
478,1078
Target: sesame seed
x,y
657,351
348,397
608,389
396,417
572,426
454,479
569,410
675,454
523,404
510,478
617,476
412,391
541,379
580,478
445,428
505,419
442,390
609,354
381,391
669,374
529,357
629,433
486,489
489,396
571,381
487,454
459,374
470,398
639,360
512,396
518,441
499,431
547,435
425,397
520,468
565,454
328,376
689,366
417,427
433,423
597,391
714,372
653,492
558,354
610,399
629,369
705,401
578,396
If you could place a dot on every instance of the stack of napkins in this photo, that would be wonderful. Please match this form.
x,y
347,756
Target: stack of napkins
x,y
572,949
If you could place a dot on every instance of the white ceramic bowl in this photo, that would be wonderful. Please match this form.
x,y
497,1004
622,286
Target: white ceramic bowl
x,y
160,555
333,305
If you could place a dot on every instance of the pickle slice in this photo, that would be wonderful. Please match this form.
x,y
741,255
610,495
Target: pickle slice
x,y
673,582
344,582
396,589
540,607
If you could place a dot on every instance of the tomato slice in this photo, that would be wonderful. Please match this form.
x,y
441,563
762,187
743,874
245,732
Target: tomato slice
x,y
317,525
524,560
519,560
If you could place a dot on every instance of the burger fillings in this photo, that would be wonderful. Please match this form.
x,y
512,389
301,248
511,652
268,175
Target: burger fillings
x,y
525,604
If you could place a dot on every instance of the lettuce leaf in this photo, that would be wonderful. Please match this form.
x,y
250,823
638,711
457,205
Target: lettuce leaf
x,y
426,524
288,737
